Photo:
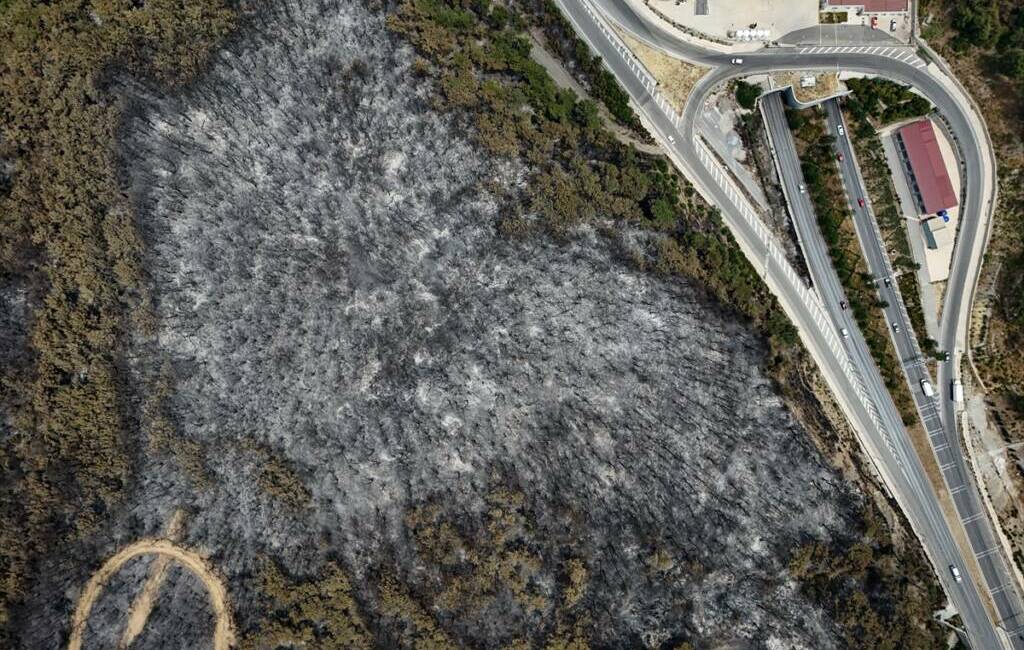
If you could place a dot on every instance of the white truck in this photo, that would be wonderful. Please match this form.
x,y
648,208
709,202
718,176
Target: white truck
x,y
957,390
926,387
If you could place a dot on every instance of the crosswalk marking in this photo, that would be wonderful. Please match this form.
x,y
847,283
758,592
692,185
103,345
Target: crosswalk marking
x,y
902,54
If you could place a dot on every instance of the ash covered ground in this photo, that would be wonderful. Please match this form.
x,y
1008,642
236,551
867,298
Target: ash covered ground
x,y
331,291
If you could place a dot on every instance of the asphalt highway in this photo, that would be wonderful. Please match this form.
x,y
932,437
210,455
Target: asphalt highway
x,y
829,286
852,378
942,433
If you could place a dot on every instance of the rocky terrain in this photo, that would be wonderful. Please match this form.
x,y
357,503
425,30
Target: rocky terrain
x,y
351,368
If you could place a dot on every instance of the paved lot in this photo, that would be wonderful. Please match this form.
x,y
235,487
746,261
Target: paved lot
x,y
779,16
837,35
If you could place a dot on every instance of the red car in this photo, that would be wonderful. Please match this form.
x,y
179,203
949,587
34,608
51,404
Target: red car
x,y
840,157
860,202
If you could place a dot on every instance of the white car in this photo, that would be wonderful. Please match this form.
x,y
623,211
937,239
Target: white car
x,y
841,130
845,332
803,188
737,61
956,573
671,139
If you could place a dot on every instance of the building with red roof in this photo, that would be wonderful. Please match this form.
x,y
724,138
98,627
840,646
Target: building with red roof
x,y
929,179
872,6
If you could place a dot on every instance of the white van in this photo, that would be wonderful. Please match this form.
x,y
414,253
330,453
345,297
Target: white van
x,y
927,388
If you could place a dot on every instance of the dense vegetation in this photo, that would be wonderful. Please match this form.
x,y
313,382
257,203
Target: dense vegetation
x,y
884,101
565,44
831,206
67,241
747,94
994,24
582,174
859,591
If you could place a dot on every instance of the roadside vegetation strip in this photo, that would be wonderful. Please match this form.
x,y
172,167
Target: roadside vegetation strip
x,y
824,186
886,208
224,632
573,52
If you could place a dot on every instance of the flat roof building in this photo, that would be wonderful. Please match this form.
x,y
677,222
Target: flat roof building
x,y
872,6
937,233
929,178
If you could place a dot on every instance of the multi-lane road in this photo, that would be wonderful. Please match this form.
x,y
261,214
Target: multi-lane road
x,y
827,282
850,374
942,431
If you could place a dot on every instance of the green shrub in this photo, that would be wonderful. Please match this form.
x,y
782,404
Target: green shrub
x,y
747,94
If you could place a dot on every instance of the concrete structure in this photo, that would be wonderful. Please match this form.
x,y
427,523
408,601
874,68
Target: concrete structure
x,y
803,90
930,179
937,234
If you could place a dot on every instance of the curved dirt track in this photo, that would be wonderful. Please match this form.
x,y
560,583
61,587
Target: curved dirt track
x,y
223,635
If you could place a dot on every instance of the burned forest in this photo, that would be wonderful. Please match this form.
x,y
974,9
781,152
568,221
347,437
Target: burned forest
x,y
360,413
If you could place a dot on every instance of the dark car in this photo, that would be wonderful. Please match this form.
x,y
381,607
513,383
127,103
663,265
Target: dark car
x,y
840,157
843,305
860,202
888,282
